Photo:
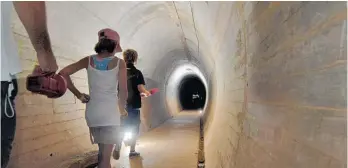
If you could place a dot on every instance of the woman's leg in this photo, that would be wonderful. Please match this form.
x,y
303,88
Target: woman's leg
x,y
105,150
119,134
117,150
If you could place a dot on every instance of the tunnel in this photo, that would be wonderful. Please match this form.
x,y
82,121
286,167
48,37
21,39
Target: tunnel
x,y
271,77
192,93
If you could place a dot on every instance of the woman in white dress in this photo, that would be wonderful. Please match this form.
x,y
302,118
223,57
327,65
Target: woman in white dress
x,y
105,71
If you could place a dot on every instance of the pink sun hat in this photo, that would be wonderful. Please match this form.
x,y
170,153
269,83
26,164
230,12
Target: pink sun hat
x,y
112,35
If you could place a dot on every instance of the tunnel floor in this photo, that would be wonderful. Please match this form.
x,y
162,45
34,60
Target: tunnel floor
x,y
174,144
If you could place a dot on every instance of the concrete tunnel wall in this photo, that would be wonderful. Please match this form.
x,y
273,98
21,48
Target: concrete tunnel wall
x,y
276,77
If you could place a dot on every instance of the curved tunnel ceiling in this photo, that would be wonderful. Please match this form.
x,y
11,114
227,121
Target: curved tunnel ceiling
x,y
152,28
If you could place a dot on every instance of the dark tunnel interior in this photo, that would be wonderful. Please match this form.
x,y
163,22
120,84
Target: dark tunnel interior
x,y
192,93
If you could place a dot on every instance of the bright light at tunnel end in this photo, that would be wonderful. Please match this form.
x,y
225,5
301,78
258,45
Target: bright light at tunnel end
x,y
179,73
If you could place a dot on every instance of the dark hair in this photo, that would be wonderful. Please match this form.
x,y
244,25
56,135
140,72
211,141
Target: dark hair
x,y
105,45
130,56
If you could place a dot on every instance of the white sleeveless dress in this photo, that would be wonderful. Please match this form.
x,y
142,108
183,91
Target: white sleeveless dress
x,y
102,113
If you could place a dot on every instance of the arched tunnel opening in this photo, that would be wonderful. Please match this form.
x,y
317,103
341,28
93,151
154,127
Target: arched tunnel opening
x,y
192,93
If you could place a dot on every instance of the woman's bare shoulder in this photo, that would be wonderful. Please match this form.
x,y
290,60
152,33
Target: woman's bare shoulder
x,y
121,63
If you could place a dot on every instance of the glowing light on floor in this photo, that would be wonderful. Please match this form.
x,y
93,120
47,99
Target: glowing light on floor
x,y
127,136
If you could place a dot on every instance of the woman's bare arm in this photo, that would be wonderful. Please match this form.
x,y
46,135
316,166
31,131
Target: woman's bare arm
x,y
123,91
71,69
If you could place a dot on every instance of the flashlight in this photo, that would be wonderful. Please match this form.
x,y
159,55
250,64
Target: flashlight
x,y
127,136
